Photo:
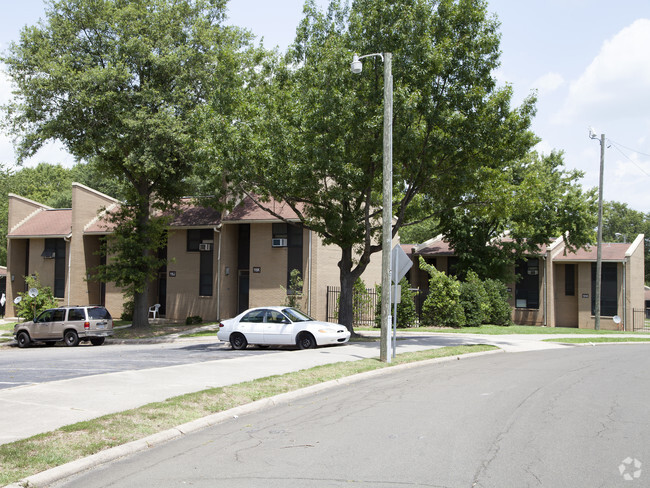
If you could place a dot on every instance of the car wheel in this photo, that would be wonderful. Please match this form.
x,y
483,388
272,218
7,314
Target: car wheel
x,y
238,341
71,338
23,339
97,341
306,341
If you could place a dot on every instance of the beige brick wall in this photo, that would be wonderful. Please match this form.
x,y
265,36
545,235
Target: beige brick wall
x,y
183,298
635,280
86,205
566,306
229,281
272,266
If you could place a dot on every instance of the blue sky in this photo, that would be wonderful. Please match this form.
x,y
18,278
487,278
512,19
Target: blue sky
x,y
588,60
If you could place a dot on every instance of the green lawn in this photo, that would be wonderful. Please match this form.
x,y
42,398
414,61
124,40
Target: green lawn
x,y
500,330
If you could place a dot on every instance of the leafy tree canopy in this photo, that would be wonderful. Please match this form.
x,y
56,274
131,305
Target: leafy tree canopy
x,y
529,202
125,83
313,130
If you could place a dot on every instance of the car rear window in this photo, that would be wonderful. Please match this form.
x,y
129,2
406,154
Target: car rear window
x,y
76,314
98,313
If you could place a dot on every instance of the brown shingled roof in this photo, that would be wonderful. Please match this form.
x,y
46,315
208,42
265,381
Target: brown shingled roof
x,y
55,222
190,215
193,216
611,251
248,210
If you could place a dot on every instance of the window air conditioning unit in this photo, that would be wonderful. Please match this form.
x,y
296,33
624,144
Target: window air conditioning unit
x,y
276,242
205,247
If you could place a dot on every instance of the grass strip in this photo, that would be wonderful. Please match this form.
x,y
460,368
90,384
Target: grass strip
x,y
26,457
587,340
506,330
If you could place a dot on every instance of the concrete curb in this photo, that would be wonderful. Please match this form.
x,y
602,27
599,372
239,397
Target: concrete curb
x,y
59,473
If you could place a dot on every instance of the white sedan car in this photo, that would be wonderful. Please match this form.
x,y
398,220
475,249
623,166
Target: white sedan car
x,y
280,326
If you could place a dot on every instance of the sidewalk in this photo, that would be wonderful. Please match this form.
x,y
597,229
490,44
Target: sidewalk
x,y
49,406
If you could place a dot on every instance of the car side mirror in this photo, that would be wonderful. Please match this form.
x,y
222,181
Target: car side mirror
x,y
286,321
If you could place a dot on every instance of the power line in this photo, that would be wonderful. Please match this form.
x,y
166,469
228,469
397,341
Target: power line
x,y
618,147
628,148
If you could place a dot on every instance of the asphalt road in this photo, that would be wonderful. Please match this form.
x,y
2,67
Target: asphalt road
x,y
574,417
20,367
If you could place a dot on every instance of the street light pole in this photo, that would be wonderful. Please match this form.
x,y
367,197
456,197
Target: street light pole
x,y
599,251
387,211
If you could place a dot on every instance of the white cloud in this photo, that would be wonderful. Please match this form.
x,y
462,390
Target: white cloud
x,y
548,83
51,152
617,82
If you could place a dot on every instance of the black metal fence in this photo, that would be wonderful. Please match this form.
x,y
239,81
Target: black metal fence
x,y
641,319
365,305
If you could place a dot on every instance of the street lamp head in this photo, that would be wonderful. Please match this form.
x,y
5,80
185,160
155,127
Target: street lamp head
x,y
356,67
592,133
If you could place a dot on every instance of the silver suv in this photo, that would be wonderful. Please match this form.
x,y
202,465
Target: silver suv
x,y
69,324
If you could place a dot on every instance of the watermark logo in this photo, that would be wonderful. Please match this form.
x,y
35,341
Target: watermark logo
x,y
630,469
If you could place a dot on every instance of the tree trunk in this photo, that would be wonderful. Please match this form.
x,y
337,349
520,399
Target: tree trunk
x,y
141,309
348,276
140,298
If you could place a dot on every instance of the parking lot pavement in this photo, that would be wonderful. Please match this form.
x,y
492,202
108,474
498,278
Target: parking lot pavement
x,y
57,403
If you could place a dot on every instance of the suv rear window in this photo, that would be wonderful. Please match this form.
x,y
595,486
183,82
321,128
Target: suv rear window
x,y
98,313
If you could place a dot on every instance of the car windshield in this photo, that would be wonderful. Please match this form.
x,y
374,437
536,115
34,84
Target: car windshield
x,y
98,313
296,315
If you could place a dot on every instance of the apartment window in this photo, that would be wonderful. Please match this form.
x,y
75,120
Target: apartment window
x,y
570,280
205,274
195,237
280,230
55,249
452,265
527,288
202,241
608,290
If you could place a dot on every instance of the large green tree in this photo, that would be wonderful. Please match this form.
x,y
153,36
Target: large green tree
x,y
515,211
125,82
313,131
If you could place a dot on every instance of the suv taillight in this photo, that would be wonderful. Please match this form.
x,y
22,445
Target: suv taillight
x,y
86,325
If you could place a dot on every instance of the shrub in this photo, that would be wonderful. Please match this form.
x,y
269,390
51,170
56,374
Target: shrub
x,y
406,316
361,302
294,293
442,307
499,311
29,307
128,308
474,300
194,319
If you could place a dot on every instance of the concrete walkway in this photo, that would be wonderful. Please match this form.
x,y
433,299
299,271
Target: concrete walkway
x,y
48,406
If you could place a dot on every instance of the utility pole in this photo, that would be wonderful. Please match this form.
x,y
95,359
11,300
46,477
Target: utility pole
x,y
599,252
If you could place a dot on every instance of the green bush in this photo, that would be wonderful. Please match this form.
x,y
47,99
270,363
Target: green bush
x,y
499,311
128,309
194,319
29,307
474,300
406,315
361,302
442,307
294,293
